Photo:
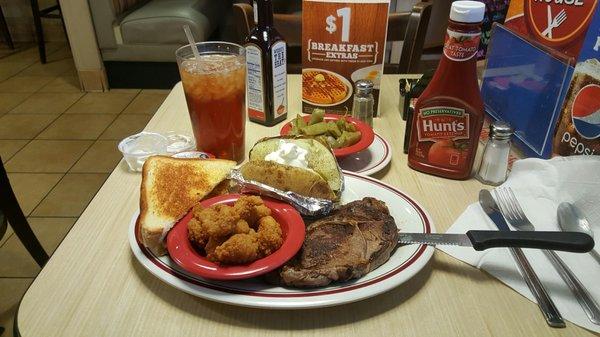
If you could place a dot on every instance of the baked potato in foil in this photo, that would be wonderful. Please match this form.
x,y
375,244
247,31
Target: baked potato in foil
x,y
296,165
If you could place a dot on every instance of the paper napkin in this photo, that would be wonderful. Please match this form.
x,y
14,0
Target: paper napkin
x,y
540,185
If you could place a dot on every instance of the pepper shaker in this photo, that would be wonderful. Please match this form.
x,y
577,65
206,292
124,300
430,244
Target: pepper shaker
x,y
362,107
494,163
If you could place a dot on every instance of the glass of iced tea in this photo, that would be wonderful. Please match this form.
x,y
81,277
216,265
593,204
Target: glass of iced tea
x,y
215,91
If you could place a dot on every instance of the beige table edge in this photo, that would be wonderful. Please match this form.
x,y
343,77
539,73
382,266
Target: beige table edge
x,y
93,286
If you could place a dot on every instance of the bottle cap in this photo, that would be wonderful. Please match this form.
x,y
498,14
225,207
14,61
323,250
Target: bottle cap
x,y
467,11
500,130
364,86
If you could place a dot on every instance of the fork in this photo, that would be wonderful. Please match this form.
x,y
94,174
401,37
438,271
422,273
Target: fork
x,y
557,21
513,212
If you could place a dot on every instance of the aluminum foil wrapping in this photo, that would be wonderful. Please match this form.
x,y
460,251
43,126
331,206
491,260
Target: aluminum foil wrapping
x,y
307,206
284,139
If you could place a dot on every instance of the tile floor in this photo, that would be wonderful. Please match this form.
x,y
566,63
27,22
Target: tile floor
x,y
59,145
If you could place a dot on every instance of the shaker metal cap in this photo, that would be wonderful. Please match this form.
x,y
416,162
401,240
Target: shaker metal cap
x,y
501,130
364,86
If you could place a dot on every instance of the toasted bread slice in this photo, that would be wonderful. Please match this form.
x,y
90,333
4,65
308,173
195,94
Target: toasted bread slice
x,y
288,178
170,187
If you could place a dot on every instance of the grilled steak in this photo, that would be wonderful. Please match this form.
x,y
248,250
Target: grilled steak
x,y
354,240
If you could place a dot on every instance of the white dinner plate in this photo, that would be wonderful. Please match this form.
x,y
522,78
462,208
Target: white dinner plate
x,y
370,161
404,263
344,80
363,73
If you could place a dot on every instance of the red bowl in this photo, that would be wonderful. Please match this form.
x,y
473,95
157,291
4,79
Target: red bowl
x,y
185,255
366,134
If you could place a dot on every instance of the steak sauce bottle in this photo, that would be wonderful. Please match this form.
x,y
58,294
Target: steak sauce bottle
x,y
449,113
266,80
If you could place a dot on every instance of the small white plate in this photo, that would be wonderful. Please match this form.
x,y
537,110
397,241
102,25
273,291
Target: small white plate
x,y
363,73
370,161
404,263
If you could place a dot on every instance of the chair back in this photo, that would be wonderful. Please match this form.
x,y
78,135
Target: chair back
x,y
10,211
408,27
289,25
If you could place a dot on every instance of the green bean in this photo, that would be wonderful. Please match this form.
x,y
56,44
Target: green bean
x,y
300,121
315,129
347,139
316,116
333,129
341,124
297,124
352,138
294,131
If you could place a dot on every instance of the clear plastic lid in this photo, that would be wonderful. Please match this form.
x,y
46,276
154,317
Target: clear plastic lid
x,y
137,148
179,142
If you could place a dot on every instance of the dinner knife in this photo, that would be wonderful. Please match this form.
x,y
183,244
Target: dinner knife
x,y
545,303
482,240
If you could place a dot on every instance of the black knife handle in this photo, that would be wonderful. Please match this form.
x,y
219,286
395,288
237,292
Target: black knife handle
x,y
564,241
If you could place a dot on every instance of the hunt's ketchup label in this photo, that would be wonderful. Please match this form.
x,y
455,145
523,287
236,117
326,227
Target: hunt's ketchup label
x,y
449,113
442,122
460,46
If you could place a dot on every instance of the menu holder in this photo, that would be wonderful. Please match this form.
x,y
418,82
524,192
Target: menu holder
x,y
525,85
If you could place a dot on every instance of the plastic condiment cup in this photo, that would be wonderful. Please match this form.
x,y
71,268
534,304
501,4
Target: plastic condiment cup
x,y
137,148
179,142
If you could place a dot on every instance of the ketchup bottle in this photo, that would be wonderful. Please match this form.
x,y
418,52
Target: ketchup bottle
x,y
449,113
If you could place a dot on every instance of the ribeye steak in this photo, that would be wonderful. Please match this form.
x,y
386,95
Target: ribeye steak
x,y
354,240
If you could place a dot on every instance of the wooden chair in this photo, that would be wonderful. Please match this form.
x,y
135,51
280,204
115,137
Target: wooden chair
x,y
52,12
5,31
11,213
409,27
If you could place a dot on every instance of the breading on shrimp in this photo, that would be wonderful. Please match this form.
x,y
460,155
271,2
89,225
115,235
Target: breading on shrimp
x,y
219,220
211,245
262,211
238,249
242,227
197,233
251,209
269,235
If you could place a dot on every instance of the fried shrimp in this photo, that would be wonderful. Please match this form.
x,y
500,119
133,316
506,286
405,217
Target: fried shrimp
x,y
251,209
211,246
237,234
219,220
269,235
238,249
242,227
196,232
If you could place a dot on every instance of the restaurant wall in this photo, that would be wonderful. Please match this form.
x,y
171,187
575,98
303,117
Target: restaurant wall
x,y
84,46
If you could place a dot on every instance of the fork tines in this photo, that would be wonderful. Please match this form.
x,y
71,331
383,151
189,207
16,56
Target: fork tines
x,y
561,17
509,204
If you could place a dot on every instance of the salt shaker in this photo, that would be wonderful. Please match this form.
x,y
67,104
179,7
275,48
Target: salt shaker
x,y
362,108
494,165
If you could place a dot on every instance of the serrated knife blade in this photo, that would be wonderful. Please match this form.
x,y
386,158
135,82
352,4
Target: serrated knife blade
x,y
435,239
482,240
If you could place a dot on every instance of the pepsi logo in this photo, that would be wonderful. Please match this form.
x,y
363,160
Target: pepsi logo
x,y
585,111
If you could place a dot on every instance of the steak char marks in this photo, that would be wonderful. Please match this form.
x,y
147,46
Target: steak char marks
x,y
349,243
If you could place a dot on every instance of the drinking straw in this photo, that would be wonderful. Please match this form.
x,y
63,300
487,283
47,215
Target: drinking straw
x,y
190,38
